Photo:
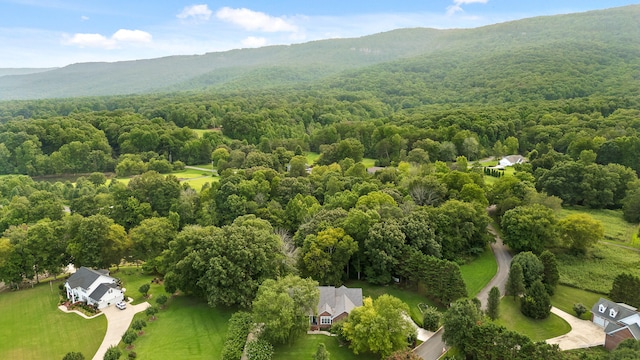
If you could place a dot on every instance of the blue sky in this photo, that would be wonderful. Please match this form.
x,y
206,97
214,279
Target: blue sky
x,y
51,33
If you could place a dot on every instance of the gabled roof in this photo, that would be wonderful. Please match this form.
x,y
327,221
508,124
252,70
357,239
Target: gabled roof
x,y
85,277
336,301
620,311
513,159
101,290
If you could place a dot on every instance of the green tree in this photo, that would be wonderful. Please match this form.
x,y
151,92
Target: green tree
x,y
161,300
138,325
458,322
73,356
515,282
151,312
579,309
628,349
512,144
431,318
113,353
403,355
383,249
379,326
626,289
284,306
129,337
240,324
144,289
550,273
321,353
580,231
529,228
493,304
536,303
631,206
532,267
298,166
151,237
325,256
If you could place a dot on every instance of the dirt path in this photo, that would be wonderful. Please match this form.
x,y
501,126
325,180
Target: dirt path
x,y
503,258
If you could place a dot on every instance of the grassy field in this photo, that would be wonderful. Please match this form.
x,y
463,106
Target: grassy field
x,y
477,273
616,229
306,346
596,270
195,178
566,296
312,157
409,297
490,180
32,327
537,330
187,328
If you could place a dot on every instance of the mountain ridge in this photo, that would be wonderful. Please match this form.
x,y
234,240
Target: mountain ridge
x,y
312,62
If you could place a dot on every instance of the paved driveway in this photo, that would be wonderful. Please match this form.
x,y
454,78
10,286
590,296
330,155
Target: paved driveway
x,y
118,322
583,333
503,258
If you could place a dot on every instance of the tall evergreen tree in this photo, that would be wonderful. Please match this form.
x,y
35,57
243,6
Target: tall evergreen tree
x,y
493,304
626,289
536,304
515,282
550,274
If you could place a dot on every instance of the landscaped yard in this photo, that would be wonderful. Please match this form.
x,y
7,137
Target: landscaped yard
x,y
566,296
477,273
306,346
596,270
188,328
32,327
537,330
409,297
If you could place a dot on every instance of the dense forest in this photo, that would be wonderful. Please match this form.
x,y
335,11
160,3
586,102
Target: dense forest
x,y
569,103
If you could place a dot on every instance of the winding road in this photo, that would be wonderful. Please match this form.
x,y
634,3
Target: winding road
x,y
432,349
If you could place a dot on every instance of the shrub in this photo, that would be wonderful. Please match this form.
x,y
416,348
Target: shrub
x,y
113,353
161,300
73,356
133,355
239,326
579,309
431,319
259,350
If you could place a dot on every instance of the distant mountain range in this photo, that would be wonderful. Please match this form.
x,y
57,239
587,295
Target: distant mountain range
x,y
583,45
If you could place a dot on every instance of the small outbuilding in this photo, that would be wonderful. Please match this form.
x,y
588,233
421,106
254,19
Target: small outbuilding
x,y
94,287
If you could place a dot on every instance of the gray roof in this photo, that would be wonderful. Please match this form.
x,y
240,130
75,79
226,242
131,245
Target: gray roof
x,y
101,290
84,277
635,330
336,301
621,310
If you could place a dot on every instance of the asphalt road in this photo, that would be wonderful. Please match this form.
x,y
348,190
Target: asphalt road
x,y
503,258
432,348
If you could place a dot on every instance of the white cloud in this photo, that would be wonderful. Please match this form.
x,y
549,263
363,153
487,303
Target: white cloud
x,y
253,41
254,20
84,18
457,5
197,12
124,35
101,41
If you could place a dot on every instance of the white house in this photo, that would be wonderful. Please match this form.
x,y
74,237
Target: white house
x,y
619,321
95,287
510,161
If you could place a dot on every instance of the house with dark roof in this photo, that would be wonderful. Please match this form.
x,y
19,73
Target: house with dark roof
x,y
95,287
619,321
335,304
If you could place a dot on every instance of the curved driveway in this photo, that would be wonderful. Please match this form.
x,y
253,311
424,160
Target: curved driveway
x,y
118,322
583,333
503,258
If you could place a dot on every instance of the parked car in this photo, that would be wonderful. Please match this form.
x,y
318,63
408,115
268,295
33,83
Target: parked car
x,y
121,305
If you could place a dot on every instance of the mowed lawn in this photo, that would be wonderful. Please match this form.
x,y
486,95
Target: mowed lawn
x,y
477,273
537,330
306,346
566,296
187,328
32,327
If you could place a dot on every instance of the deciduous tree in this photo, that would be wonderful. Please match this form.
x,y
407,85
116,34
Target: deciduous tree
x,y
325,256
580,231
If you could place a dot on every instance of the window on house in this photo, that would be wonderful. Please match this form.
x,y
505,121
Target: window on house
x,y
325,320
602,308
613,313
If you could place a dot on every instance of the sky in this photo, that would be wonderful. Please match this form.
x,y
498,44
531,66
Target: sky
x,y
56,33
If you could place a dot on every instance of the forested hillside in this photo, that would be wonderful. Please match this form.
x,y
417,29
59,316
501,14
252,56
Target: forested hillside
x,y
545,57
